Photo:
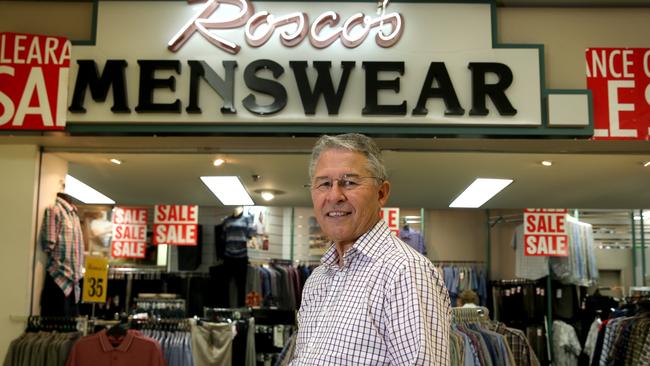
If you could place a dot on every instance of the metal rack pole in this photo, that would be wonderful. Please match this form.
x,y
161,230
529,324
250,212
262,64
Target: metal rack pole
x,y
634,276
643,257
488,246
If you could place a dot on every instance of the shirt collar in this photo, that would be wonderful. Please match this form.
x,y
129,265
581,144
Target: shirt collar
x,y
124,345
66,205
367,244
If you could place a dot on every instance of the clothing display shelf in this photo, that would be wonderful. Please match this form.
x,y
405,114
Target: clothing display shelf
x,y
263,316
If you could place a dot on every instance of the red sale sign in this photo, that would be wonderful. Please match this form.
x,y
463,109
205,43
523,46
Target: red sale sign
x,y
33,81
619,80
391,216
129,232
175,224
545,232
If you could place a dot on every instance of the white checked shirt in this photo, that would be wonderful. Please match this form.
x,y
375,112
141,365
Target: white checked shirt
x,y
387,305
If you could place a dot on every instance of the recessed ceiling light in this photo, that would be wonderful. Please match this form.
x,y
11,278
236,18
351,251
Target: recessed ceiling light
x,y
547,163
84,192
229,190
218,162
116,161
268,194
479,192
646,164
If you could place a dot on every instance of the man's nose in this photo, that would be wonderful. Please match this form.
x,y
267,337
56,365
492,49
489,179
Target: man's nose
x,y
336,193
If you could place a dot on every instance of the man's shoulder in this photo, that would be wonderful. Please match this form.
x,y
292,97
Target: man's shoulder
x,y
400,255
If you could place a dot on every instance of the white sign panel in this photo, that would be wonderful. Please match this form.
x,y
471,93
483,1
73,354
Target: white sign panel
x,y
235,61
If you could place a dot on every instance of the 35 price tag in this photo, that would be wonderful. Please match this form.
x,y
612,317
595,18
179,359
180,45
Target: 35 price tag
x,y
95,280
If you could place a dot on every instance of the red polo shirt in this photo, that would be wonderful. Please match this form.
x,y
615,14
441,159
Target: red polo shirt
x,y
134,350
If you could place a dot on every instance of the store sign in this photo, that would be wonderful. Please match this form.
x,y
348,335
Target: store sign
x,y
129,232
545,232
619,79
95,280
175,224
391,216
33,81
225,62
259,27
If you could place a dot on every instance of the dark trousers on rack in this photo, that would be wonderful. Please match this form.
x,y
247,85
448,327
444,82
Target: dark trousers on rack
x,y
54,302
232,270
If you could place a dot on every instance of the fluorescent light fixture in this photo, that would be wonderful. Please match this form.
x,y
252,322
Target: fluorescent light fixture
x,y
479,192
229,190
84,192
547,163
218,162
116,161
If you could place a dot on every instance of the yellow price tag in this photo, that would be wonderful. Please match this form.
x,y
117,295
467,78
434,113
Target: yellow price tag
x,y
95,280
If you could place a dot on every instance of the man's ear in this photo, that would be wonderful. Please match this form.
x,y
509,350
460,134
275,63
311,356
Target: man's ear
x,y
384,192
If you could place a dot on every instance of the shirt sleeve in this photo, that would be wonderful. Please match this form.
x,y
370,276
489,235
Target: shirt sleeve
x,y
417,317
50,229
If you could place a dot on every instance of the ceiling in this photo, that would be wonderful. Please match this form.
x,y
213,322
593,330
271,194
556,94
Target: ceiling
x,y
427,173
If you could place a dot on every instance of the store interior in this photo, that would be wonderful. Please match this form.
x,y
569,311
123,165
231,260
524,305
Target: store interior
x,y
605,191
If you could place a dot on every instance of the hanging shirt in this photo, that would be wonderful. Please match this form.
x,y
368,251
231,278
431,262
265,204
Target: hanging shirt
x,y
134,349
386,305
235,233
529,267
62,240
566,346
414,239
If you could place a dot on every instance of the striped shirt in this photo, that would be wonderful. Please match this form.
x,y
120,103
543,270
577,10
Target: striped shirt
x,y
387,305
62,240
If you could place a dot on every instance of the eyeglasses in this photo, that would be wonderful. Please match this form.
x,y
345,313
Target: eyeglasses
x,y
346,182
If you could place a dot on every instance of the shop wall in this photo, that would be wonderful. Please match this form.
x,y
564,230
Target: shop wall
x,y
455,235
71,19
616,260
18,189
589,27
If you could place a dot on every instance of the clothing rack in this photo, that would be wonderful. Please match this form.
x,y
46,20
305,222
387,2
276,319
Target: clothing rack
x,y
457,262
506,219
518,281
171,324
35,323
470,314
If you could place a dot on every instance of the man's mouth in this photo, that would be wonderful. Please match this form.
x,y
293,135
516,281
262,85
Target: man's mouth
x,y
337,213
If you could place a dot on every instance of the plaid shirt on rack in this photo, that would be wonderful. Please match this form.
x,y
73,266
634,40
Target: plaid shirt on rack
x,y
62,240
387,305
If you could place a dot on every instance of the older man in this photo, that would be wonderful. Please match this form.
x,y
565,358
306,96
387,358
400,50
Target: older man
x,y
373,300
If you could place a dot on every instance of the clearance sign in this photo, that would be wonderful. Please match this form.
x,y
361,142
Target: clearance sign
x,y
545,232
33,81
619,79
391,216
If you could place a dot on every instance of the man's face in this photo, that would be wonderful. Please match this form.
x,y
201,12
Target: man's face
x,y
346,213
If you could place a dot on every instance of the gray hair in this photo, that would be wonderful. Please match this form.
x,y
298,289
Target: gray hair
x,y
354,142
